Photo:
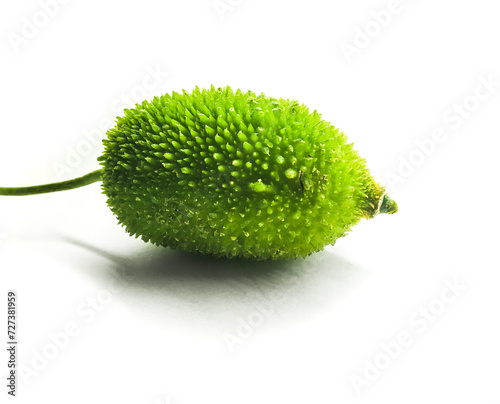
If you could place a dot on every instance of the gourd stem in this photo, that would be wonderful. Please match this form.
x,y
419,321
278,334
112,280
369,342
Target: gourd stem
x,y
87,179
388,206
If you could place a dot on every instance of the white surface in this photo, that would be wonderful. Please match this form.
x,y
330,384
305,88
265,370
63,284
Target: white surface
x,y
163,336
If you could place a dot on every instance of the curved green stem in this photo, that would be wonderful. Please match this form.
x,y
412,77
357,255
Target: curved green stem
x,y
87,179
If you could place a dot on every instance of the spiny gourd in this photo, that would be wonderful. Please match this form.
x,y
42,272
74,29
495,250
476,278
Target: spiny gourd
x,y
231,174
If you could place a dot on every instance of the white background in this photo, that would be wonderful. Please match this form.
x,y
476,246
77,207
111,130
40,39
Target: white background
x,y
169,327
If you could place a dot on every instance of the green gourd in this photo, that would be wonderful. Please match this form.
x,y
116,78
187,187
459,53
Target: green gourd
x,y
231,174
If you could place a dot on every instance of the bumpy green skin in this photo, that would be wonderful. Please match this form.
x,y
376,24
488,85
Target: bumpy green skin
x,y
234,174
